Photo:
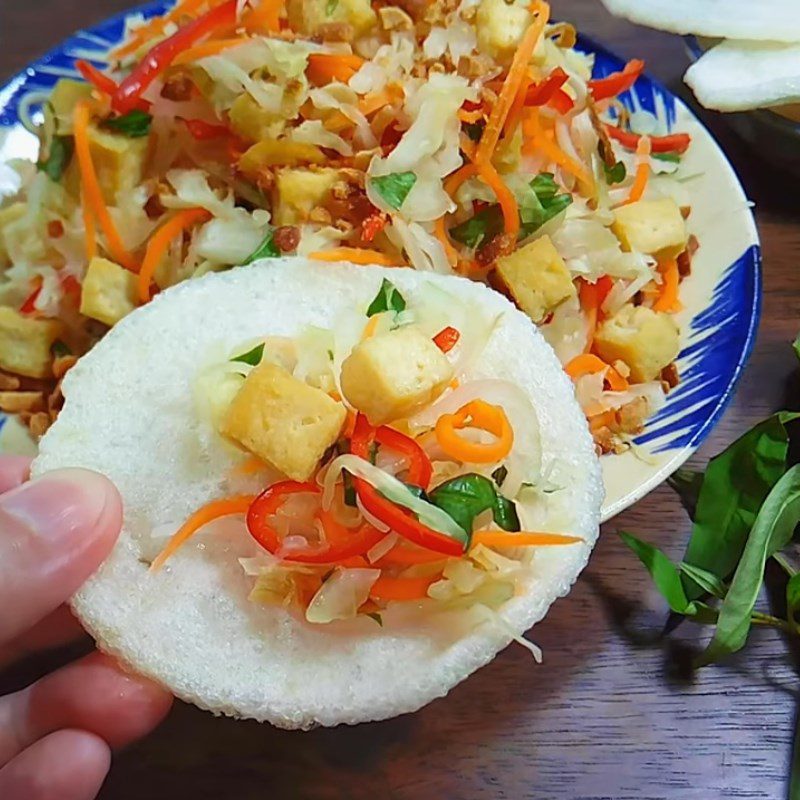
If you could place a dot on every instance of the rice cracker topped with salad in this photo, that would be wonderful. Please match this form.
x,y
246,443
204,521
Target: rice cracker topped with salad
x,y
452,137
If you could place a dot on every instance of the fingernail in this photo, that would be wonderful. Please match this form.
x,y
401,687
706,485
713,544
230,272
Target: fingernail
x,y
59,505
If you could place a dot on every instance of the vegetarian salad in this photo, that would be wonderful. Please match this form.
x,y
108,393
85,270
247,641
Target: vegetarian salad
x,y
444,507
457,136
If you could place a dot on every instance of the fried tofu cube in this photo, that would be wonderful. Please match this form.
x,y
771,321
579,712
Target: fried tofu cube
x,y
109,291
501,26
283,420
310,17
646,340
25,343
8,215
535,277
119,161
278,152
390,375
66,94
299,191
655,227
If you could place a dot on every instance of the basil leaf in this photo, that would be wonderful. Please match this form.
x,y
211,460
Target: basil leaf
x,y
615,174
467,496
707,580
267,249
736,483
793,598
58,157
252,357
672,158
772,530
387,299
687,483
394,188
499,475
484,225
134,124
349,489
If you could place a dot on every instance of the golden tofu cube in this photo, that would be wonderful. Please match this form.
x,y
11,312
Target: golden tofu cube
x,y
299,191
25,343
66,94
535,277
283,421
109,291
390,375
119,161
646,340
8,215
278,153
311,16
655,227
500,27
252,122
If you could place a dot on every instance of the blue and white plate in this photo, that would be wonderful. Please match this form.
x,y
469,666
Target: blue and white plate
x,y
721,298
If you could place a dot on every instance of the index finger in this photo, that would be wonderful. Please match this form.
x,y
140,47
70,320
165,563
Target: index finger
x,y
14,470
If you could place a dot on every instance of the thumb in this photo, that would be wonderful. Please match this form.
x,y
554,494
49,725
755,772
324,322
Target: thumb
x,y
55,531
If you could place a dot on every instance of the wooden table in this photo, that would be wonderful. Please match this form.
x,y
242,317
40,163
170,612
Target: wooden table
x,y
609,715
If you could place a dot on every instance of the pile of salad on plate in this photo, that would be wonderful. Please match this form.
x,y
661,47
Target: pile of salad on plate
x,y
464,137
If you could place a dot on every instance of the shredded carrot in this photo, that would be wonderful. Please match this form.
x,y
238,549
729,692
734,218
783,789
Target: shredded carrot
x,y
155,27
670,284
369,328
387,588
160,241
440,230
371,103
204,49
590,364
505,197
523,538
512,83
475,414
326,67
265,17
349,424
239,504
91,187
460,176
642,171
402,555
89,230
517,107
356,255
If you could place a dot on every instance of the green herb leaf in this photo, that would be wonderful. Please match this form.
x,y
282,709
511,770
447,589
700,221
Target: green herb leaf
x,y
793,598
58,158
467,496
707,580
377,617
394,188
387,299
772,530
134,124
672,158
499,475
615,174
539,205
736,484
687,483
252,357
267,249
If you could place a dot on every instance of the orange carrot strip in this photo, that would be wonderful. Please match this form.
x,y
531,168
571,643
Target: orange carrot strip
x,y
406,556
326,67
371,103
523,538
386,588
356,255
458,177
643,150
512,83
668,295
265,17
238,504
89,229
440,230
91,187
160,241
505,197
517,107
155,27
204,49
539,140
590,364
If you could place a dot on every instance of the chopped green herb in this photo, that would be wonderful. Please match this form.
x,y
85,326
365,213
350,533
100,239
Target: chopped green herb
x,y
707,580
673,158
61,149
252,357
687,484
467,496
60,349
377,617
499,475
267,249
615,174
135,123
394,188
387,299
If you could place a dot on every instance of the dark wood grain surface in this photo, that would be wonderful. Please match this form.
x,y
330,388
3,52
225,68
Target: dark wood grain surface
x,y
611,714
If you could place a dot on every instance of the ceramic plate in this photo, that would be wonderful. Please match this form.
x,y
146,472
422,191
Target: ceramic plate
x,y
721,298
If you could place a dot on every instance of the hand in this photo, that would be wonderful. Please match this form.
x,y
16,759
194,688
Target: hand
x,y
56,736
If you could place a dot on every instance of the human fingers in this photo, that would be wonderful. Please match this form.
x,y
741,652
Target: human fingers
x,y
55,531
56,629
14,470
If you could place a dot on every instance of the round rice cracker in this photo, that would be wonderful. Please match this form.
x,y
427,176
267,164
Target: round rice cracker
x,y
129,414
